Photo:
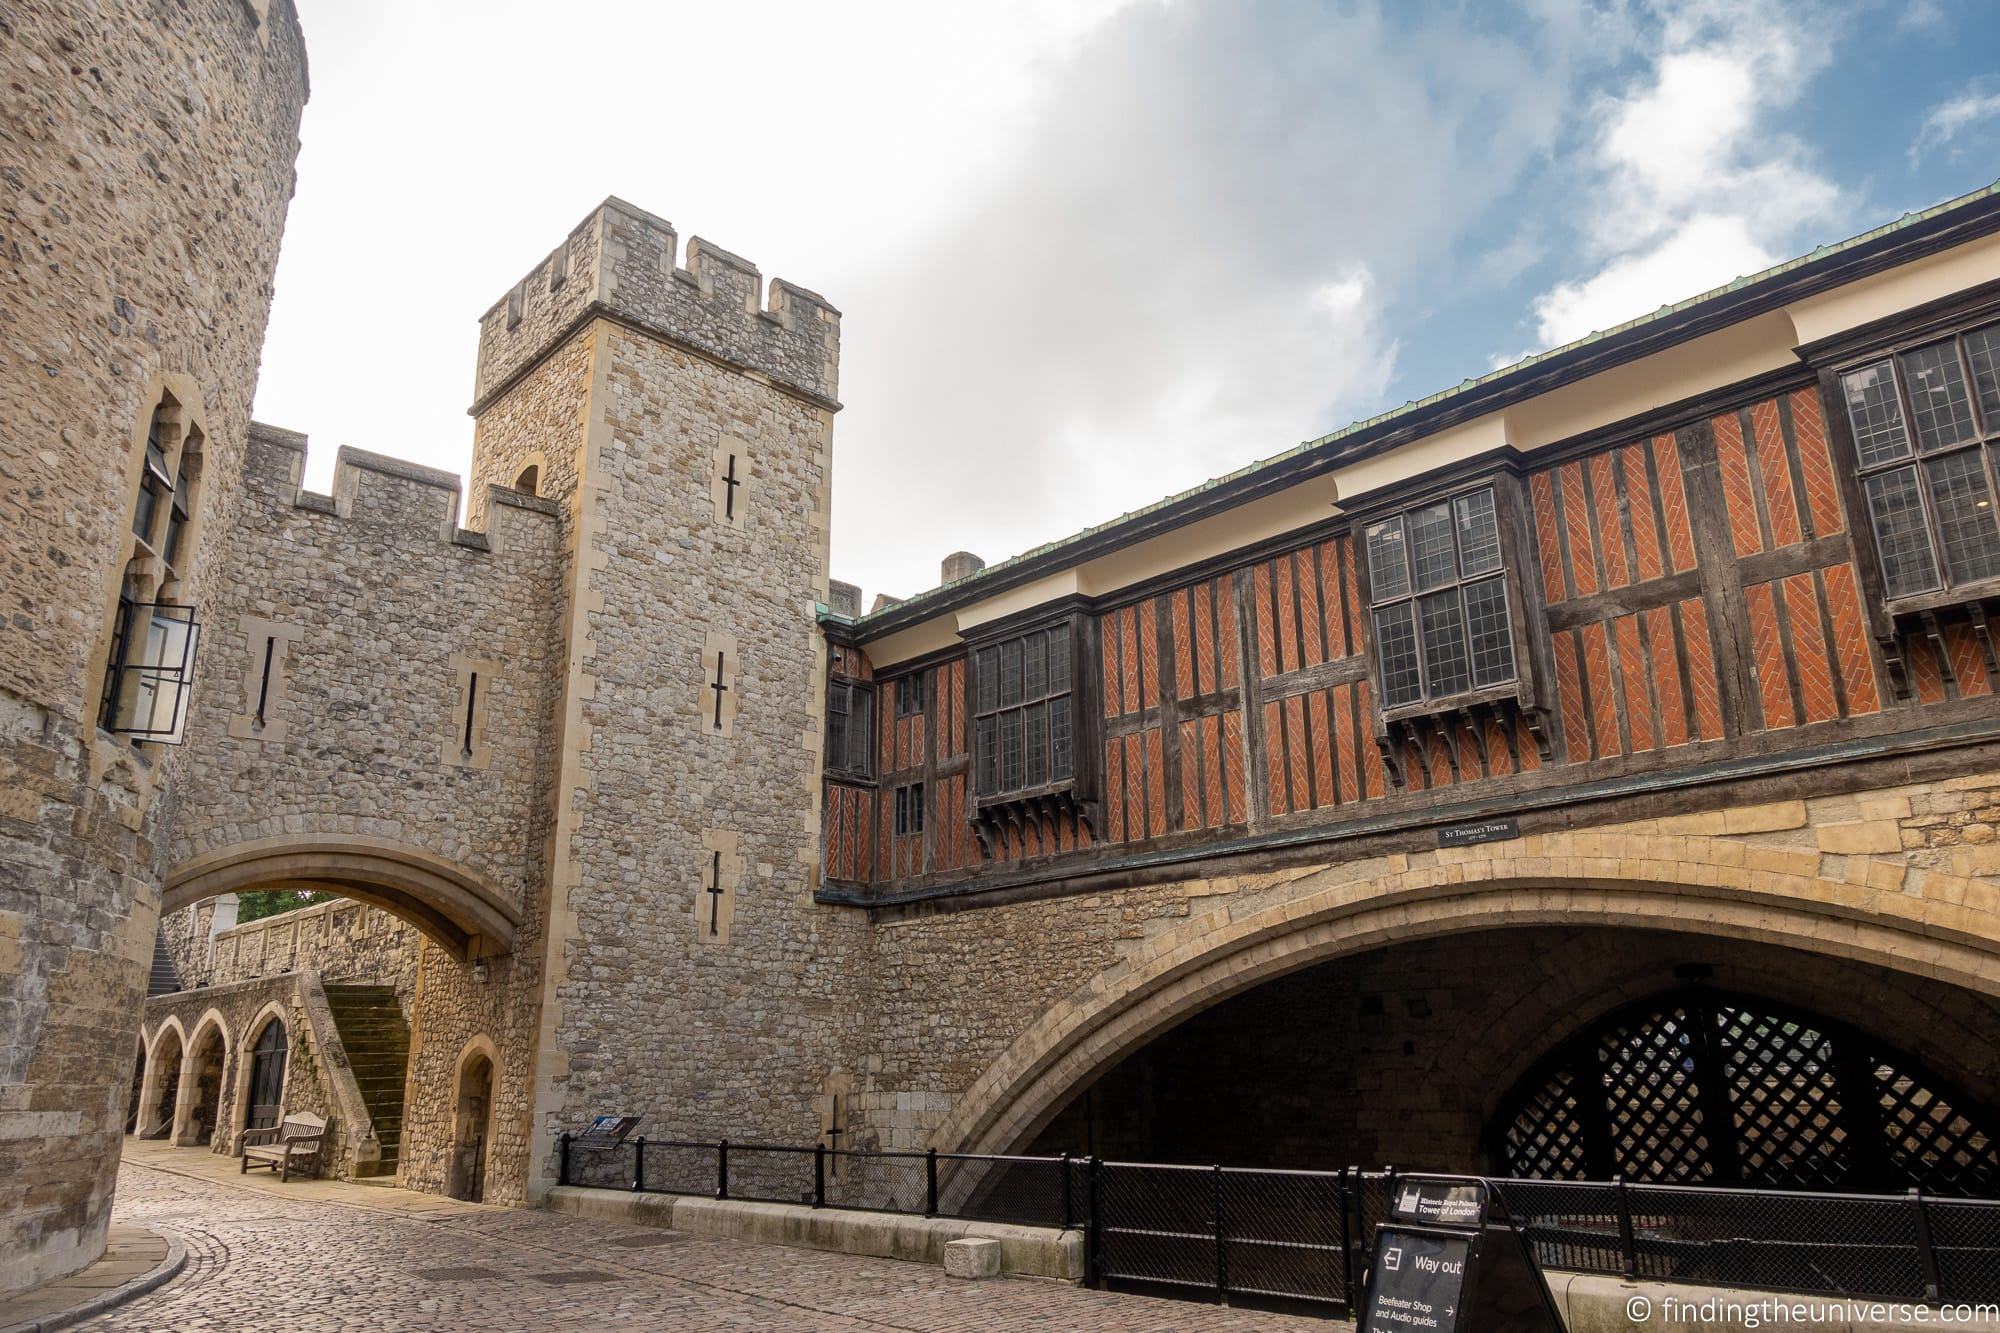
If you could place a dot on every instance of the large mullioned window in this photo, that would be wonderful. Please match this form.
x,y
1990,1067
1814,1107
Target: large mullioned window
x,y
1925,422
1023,714
1438,595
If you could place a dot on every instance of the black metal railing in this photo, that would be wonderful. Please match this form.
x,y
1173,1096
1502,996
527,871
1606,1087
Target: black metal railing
x,y
1034,1191
1302,1238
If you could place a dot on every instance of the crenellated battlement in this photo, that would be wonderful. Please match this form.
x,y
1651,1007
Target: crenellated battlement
x,y
624,262
377,488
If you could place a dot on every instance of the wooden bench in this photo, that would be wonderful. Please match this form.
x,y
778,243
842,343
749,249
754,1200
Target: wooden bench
x,y
298,1137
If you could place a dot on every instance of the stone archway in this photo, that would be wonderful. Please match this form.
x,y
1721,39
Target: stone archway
x,y
159,1093
262,1070
198,1115
1406,1054
472,1119
454,907
1949,931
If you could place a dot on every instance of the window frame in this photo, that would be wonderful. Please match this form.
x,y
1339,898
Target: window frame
x,y
1508,573
1080,784
912,694
168,676
1984,439
911,803
847,690
981,715
151,636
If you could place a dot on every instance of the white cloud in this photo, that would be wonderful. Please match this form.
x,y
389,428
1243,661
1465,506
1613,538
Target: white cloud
x,y
1948,119
1189,263
1700,253
1692,182
1088,253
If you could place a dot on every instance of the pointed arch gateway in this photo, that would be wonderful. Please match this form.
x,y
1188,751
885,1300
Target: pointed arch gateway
x,y
1333,914
453,906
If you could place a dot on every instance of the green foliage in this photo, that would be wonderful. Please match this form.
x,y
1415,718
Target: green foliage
x,y
269,902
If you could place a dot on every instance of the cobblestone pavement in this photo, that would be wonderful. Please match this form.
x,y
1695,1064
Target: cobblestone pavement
x,y
259,1260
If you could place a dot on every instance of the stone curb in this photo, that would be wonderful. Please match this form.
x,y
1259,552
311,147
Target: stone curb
x,y
161,1273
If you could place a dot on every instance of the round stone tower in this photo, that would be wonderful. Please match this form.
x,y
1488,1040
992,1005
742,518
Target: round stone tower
x,y
149,170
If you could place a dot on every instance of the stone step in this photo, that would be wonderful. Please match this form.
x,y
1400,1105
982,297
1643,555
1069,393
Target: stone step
x,y
377,1041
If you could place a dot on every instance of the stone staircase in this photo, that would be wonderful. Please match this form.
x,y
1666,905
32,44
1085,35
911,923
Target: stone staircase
x,y
377,1041
161,980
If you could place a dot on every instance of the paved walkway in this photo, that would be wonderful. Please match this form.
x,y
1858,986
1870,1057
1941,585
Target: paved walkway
x,y
134,1257
320,1256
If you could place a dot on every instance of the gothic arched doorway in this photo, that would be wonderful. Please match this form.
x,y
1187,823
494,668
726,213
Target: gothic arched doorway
x,y
1702,1087
265,1104
208,1054
471,1127
160,1095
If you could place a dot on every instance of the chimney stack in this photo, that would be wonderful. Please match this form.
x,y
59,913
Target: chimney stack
x,y
959,565
843,599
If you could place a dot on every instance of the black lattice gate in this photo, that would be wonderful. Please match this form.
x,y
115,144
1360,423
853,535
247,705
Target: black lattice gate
x,y
1703,1088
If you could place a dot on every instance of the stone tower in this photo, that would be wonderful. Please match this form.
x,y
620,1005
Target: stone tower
x,y
683,423
149,172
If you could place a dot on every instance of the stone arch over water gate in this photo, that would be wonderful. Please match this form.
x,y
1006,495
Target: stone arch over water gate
x,y
1778,888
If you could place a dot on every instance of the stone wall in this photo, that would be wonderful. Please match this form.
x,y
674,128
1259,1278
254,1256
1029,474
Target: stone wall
x,y
339,940
386,610
382,605
149,171
731,1014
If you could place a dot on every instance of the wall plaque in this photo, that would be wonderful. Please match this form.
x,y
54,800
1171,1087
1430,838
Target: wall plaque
x,y
1486,830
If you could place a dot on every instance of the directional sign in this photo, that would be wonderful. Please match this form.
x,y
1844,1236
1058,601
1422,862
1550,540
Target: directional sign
x,y
1448,1260
1419,1282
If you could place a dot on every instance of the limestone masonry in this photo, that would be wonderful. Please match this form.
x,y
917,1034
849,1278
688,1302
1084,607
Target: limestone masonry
x,y
1327,813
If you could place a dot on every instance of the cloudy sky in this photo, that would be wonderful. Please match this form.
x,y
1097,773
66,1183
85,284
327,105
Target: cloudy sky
x,y
1089,252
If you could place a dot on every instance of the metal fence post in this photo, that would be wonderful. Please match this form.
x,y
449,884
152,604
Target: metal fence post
x,y
1350,1208
1920,1219
1093,1237
930,1182
1626,1245
639,1164
562,1160
722,1169
1069,1207
819,1175
1221,1245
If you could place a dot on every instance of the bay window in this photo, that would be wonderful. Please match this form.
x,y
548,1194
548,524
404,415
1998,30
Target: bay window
x,y
1439,600
1924,423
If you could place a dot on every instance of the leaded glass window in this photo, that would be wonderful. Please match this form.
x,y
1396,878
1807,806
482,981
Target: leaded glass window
x,y
850,728
1923,423
1438,588
1023,702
